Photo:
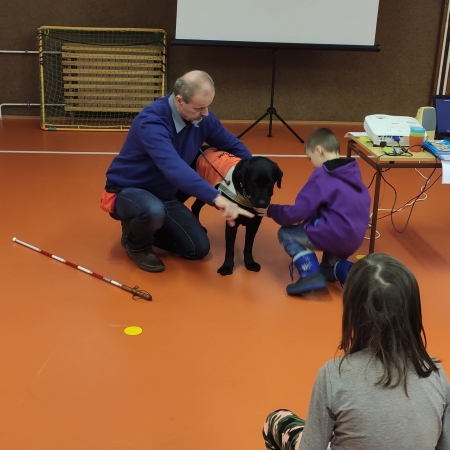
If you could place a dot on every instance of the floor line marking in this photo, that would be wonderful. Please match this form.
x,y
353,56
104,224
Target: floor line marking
x,y
268,155
58,153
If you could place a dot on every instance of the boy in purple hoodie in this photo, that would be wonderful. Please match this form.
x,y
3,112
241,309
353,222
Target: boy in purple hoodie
x,y
331,214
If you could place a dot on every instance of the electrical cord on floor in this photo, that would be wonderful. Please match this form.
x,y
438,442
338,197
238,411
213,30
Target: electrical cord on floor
x,y
415,199
377,233
373,177
369,225
412,202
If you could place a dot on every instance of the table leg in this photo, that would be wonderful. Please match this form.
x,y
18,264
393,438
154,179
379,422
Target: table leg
x,y
349,150
376,199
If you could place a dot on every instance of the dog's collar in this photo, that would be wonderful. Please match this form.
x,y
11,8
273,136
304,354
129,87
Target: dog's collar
x,y
244,194
227,188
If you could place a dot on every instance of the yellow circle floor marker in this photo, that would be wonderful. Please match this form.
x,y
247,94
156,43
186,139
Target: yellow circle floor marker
x,y
132,331
360,256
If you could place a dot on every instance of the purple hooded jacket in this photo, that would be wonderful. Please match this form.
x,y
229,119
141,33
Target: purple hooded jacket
x,y
334,207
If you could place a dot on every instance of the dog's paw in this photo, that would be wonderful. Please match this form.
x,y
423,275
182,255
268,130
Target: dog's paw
x,y
252,266
226,269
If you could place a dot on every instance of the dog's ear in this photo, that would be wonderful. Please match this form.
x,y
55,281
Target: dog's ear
x,y
279,176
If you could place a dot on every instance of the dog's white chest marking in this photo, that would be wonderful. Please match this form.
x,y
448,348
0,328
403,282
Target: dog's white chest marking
x,y
227,188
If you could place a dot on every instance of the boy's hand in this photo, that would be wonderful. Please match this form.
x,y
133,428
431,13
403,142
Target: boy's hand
x,y
261,211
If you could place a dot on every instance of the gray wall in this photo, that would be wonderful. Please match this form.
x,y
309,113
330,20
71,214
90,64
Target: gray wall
x,y
310,84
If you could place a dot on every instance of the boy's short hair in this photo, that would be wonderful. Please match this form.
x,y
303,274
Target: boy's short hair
x,y
325,138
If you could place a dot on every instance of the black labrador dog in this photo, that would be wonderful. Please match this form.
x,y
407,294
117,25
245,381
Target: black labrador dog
x,y
248,182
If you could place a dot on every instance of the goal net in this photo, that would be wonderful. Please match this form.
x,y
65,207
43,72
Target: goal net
x,y
99,78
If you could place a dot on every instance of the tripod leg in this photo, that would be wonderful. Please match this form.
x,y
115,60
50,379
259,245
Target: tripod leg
x,y
271,113
252,125
271,110
288,127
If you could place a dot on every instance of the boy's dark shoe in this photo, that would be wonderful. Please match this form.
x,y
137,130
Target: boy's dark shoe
x,y
146,260
307,284
327,270
341,270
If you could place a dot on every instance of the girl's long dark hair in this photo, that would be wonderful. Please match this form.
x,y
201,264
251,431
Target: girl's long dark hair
x,y
382,313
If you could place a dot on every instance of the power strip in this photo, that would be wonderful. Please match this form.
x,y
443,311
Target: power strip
x,y
392,151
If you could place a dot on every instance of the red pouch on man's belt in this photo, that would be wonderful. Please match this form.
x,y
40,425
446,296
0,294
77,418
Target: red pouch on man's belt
x,y
107,201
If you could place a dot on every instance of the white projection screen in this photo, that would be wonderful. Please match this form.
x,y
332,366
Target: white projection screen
x,y
301,22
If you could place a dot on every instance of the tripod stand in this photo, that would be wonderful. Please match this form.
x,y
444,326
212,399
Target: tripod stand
x,y
271,111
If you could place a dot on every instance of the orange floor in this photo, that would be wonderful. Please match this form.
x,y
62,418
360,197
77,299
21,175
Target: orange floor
x,y
216,354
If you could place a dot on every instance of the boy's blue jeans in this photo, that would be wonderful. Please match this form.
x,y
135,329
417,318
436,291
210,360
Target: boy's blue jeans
x,y
294,239
170,223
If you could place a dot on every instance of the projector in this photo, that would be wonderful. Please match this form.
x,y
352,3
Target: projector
x,y
382,129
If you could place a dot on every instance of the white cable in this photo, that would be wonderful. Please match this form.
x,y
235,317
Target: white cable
x,y
415,200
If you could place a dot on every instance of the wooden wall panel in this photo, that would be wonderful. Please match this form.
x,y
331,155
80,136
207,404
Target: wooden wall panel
x,y
310,85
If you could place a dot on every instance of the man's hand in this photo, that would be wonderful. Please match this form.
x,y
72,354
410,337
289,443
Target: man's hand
x,y
261,211
230,210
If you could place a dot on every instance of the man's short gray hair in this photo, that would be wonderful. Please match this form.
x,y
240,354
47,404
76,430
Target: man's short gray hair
x,y
192,82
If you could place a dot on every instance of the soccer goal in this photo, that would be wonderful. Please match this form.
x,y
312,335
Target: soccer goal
x,y
99,78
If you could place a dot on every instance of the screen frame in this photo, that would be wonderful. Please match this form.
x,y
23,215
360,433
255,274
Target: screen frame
x,y
439,97
275,45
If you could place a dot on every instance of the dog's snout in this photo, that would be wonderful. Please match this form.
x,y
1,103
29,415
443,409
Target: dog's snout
x,y
262,203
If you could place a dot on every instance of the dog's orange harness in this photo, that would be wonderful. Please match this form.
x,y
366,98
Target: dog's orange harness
x,y
213,165
217,167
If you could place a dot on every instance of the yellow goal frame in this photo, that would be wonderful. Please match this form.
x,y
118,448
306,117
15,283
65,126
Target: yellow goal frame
x,y
109,82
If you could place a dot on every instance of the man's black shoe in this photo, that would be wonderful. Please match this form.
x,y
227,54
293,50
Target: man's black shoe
x,y
146,260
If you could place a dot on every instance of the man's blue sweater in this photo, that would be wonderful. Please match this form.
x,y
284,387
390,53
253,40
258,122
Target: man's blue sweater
x,y
157,158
